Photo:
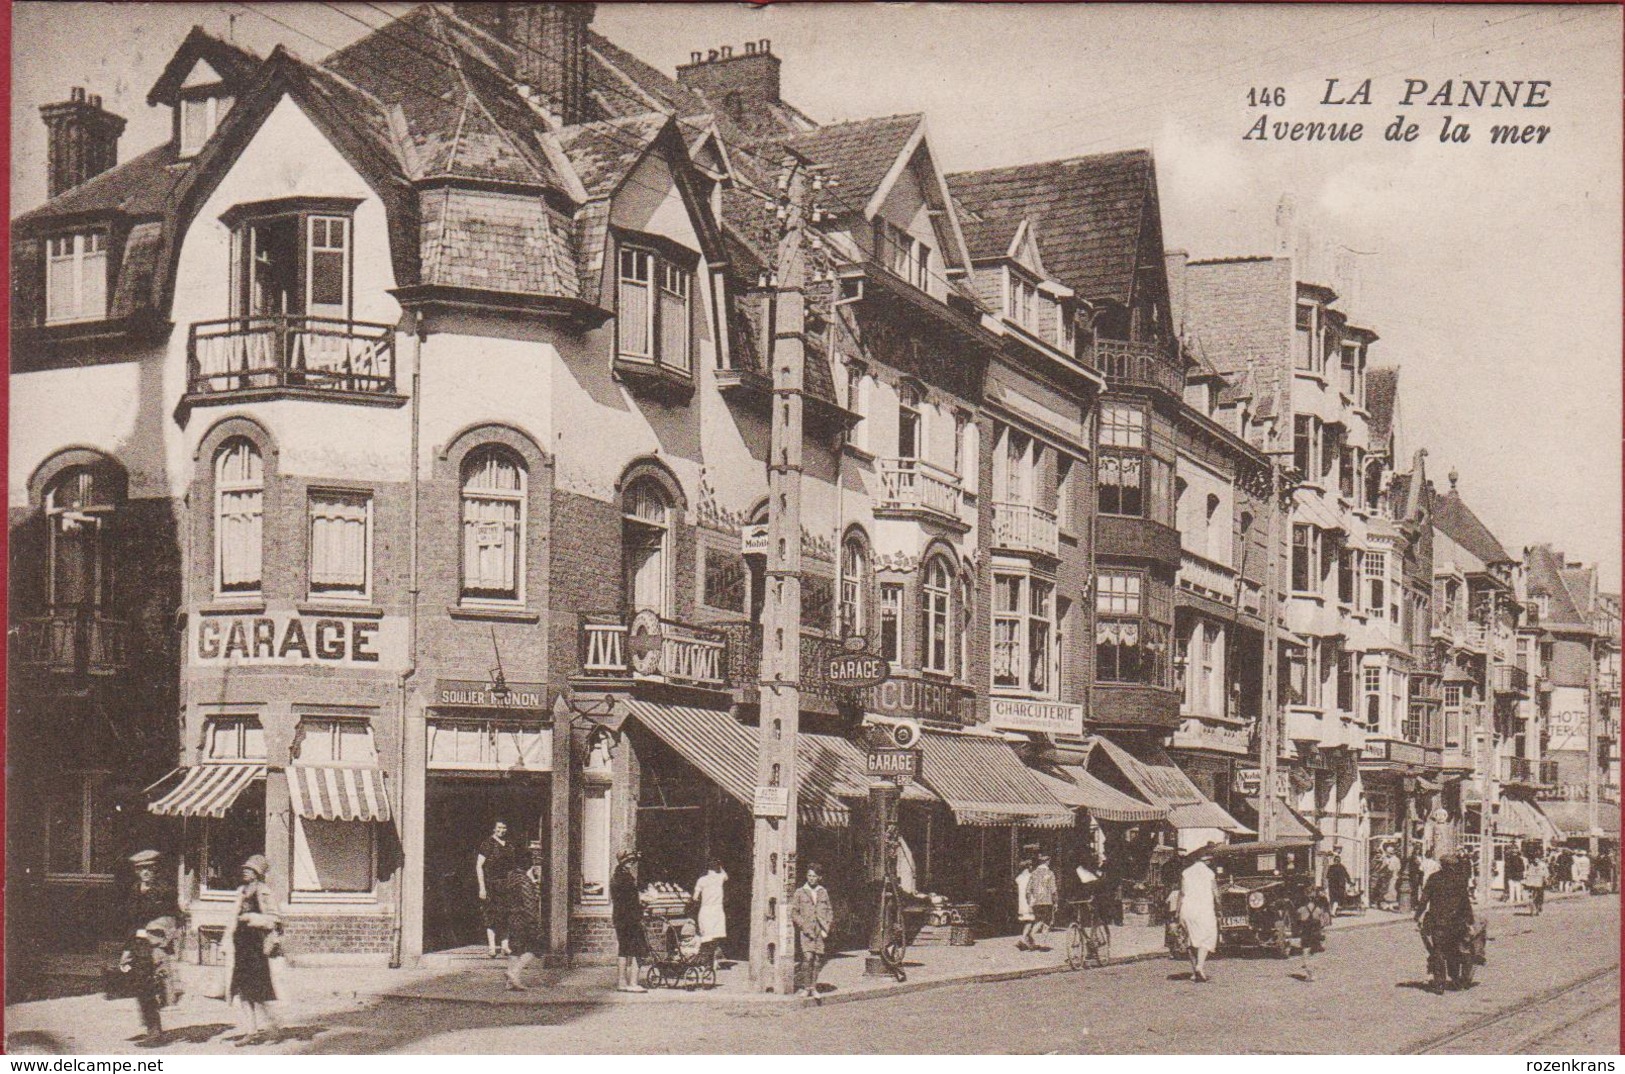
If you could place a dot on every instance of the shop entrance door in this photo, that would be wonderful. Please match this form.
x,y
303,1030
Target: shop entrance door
x,y
460,811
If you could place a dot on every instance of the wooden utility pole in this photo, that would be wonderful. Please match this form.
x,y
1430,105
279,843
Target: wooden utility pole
x,y
774,869
1269,730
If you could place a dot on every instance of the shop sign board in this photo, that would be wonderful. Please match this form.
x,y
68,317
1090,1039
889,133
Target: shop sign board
x,y
854,668
1388,749
921,699
1046,717
467,694
771,802
1247,782
293,639
753,539
901,765
1567,722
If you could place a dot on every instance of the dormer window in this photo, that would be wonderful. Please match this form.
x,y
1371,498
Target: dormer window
x,y
76,277
903,254
199,116
1021,303
654,310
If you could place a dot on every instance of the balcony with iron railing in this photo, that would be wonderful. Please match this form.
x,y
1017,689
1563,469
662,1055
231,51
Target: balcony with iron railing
x,y
1021,527
1511,680
1198,574
1139,365
649,648
70,641
315,357
1531,773
915,487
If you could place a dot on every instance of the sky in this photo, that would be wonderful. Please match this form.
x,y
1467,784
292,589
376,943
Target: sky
x,y
1492,273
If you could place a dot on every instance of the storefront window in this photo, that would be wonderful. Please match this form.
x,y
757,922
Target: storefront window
x,y
229,841
333,856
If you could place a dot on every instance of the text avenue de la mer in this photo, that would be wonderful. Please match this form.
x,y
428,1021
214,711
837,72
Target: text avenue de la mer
x,y
1421,110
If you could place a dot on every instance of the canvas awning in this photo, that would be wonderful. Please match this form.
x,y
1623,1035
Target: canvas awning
x,y
726,751
207,790
1289,823
1160,782
985,784
1570,818
336,792
1076,787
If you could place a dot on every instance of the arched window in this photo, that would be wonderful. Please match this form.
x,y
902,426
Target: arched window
x,y
239,517
493,495
646,546
853,611
79,504
937,606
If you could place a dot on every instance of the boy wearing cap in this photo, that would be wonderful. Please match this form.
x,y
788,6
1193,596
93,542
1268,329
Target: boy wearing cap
x,y
152,916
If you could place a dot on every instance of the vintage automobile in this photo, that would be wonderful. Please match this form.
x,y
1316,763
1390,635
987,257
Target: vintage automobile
x,y
1261,887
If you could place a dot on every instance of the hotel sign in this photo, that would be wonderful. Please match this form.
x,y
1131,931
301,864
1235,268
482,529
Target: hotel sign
x,y
1047,717
466,694
292,639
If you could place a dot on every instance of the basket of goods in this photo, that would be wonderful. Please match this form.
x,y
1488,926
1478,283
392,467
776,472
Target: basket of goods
x,y
665,899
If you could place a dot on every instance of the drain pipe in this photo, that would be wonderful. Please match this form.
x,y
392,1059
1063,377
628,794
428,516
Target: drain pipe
x,y
412,632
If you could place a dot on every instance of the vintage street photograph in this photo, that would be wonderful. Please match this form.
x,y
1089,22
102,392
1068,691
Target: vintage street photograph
x,y
558,528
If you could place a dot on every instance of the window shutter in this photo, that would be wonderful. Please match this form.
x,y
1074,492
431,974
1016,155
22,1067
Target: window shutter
x,y
338,542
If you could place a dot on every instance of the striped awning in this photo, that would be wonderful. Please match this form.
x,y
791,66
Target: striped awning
x,y
1077,787
335,792
1160,782
985,784
726,751
207,790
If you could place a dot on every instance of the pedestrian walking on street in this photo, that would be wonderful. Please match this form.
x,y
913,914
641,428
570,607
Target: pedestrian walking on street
x,y
1562,870
495,864
1535,876
255,940
813,916
1602,872
1444,914
526,930
1394,867
1514,875
1337,882
152,915
1314,915
1042,894
1581,870
709,916
1024,906
1198,910
626,911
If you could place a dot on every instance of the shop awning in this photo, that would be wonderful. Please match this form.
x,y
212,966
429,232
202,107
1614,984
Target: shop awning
x,y
207,790
985,784
334,792
1076,787
1289,823
726,752
1160,782
1570,818
1522,819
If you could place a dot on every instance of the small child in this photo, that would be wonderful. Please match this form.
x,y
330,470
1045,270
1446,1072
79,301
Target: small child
x,y
1313,914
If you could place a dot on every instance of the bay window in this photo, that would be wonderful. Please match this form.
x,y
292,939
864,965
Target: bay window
x,y
494,507
1121,481
1122,425
1347,662
76,277
654,310
1371,687
1304,437
1307,547
1306,340
293,259
1025,652
1348,572
239,518
1133,632
1376,584
340,543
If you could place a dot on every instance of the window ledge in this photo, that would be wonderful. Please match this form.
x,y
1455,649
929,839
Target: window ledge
x,y
246,607
80,880
367,899
493,613
323,395
360,610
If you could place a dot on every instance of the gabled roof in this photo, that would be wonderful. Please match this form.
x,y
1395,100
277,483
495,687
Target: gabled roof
x,y
989,240
139,187
1453,518
1091,213
604,153
234,65
1547,575
859,154
1381,398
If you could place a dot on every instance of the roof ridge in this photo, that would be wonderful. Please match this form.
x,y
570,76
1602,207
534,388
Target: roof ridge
x,y
853,122
1060,161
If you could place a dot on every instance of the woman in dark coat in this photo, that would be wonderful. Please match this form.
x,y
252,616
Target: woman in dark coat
x,y
626,910
527,925
1444,913
256,938
496,867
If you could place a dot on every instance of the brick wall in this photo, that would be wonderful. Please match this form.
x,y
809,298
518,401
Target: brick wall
x,y
337,934
592,939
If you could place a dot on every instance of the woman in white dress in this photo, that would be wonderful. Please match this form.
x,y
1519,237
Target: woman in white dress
x,y
710,918
1198,911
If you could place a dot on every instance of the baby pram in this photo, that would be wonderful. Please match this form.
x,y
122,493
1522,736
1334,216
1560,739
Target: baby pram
x,y
677,957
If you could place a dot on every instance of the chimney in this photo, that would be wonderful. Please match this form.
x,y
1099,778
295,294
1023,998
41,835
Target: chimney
x,y
81,140
743,84
552,44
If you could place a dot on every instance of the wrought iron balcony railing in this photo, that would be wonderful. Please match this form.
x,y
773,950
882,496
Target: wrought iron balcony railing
x,y
652,648
73,640
246,353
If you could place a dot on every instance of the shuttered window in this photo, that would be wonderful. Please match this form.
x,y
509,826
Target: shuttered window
x,y
634,318
340,543
493,526
654,315
76,277
239,517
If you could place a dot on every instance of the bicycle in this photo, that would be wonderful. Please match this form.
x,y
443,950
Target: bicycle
x,y
1088,937
895,948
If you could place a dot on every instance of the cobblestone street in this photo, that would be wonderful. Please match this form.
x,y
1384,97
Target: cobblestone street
x,y
1366,998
